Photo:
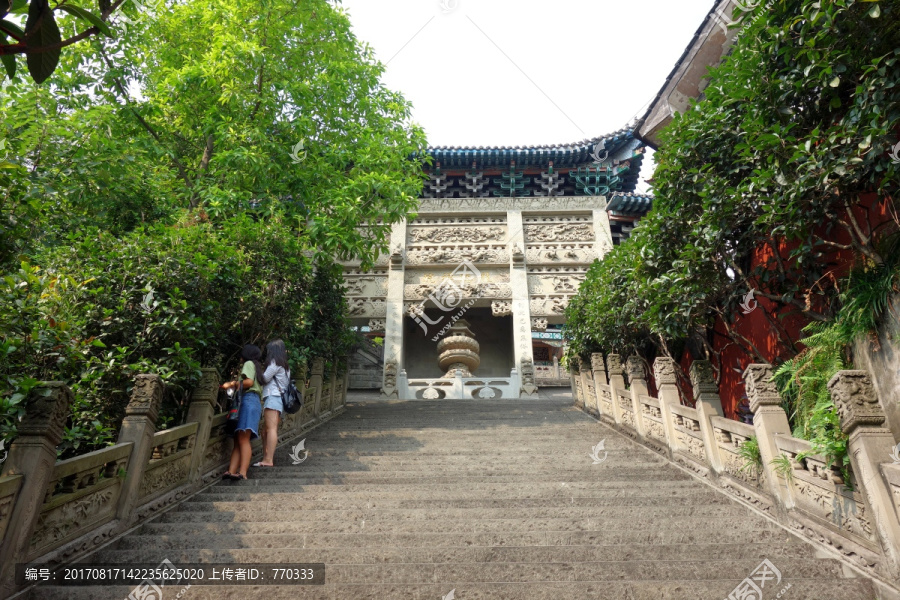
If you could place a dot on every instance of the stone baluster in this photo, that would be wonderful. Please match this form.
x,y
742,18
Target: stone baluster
x,y
202,410
667,384
869,444
637,381
138,428
32,455
458,388
556,368
616,383
598,370
708,405
316,380
769,420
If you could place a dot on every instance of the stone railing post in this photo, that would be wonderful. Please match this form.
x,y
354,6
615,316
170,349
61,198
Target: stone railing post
x,y
556,368
667,384
588,398
598,370
32,455
616,383
138,428
769,419
202,410
708,405
870,443
316,379
574,373
637,381
346,384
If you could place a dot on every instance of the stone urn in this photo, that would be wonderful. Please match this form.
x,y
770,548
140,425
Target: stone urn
x,y
459,350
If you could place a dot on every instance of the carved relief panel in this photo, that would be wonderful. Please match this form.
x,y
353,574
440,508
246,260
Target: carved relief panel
x,y
361,283
488,283
554,280
558,229
548,306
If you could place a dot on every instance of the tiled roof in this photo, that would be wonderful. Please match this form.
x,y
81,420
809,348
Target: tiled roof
x,y
630,204
562,155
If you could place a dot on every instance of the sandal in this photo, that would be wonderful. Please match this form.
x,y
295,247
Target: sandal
x,y
260,464
238,477
227,475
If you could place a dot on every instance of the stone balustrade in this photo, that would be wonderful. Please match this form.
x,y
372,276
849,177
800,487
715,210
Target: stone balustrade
x,y
859,518
55,511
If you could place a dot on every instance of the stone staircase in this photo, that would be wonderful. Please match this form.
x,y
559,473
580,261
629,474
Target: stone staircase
x,y
490,500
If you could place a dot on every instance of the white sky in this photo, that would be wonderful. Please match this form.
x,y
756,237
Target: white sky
x,y
525,72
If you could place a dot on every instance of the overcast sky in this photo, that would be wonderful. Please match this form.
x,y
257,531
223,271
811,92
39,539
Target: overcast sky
x,y
524,72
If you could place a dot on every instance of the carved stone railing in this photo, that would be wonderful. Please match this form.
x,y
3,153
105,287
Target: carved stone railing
x,y
51,512
859,518
459,387
651,414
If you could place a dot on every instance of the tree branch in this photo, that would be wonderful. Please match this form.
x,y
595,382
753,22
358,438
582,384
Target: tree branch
x,y
182,170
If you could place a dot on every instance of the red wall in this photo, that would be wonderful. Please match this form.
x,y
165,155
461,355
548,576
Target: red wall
x,y
759,325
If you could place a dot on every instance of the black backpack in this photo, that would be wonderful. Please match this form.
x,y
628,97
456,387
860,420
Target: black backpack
x,y
291,398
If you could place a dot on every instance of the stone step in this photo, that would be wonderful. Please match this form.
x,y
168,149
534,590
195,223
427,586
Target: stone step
x,y
277,489
467,478
301,524
250,492
366,502
407,540
801,588
729,510
466,554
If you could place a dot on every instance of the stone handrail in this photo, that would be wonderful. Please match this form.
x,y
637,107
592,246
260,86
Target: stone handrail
x,y
859,518
56,511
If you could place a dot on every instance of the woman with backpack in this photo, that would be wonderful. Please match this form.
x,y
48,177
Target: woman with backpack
x,y
248,414
275,378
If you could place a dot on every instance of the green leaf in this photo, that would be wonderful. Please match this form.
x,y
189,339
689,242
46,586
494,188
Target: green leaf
x,y
41,64
18,6
10,26
9,60
88,16
875,11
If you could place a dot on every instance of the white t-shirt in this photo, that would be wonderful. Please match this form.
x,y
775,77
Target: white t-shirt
x,y
276,376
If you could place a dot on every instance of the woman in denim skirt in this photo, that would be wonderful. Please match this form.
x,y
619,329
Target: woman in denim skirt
x,y
248,416
275,378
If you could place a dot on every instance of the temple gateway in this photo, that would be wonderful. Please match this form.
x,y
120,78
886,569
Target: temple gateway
x,y
471,300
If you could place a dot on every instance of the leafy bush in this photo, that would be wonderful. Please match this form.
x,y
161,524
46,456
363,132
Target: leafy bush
x,y
803,380
162,300
777,180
